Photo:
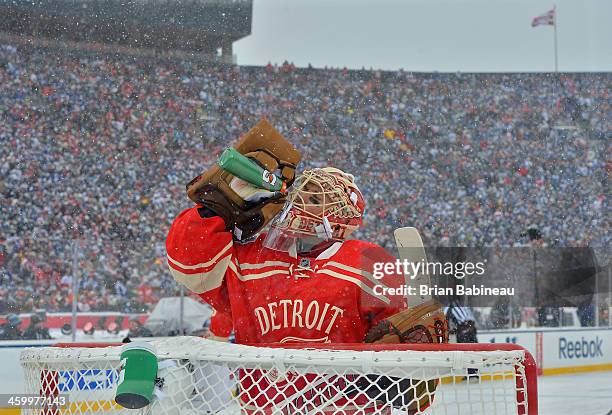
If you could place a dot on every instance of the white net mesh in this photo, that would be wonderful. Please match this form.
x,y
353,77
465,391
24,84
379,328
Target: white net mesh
x,y
208,377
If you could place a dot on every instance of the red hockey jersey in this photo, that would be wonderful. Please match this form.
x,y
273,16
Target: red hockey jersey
x,y
274,297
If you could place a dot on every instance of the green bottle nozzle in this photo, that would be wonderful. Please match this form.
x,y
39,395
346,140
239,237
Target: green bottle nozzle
x,y
242,167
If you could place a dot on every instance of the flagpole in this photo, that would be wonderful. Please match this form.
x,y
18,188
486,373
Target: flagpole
x,y
555,36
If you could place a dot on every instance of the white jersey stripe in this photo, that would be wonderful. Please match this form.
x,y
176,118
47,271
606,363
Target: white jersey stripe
x,y
255,275
234,268
357,271
264,265
267,274
355,281
203,264
203,281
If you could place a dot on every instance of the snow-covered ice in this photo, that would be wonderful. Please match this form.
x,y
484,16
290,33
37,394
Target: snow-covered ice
x,y
578,394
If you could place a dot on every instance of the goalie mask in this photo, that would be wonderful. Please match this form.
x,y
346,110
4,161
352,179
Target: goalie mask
x,y
324,204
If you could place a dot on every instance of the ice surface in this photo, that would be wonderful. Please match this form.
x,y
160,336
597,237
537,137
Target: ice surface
x,y
580,394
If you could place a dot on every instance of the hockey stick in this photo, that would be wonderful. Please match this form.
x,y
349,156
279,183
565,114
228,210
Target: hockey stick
x,y
410,248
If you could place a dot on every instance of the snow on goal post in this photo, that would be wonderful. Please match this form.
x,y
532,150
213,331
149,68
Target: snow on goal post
x,y
198,376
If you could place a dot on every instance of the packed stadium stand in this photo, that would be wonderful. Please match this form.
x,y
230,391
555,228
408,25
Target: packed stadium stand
x,y
98,148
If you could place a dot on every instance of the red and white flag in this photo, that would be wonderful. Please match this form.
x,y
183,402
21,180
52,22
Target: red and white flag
x,y
547,19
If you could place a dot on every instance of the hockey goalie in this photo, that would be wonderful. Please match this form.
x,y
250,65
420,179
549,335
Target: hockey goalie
x,y
277,267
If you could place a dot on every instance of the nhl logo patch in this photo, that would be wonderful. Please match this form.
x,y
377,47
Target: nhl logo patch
x,y
305,263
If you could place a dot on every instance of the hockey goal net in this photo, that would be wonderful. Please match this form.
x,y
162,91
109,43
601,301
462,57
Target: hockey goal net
x,y
198,376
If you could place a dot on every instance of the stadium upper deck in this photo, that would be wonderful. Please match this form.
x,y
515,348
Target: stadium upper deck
x,y
197,25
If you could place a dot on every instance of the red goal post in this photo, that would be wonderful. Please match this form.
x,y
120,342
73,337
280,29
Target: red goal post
x,y
208,377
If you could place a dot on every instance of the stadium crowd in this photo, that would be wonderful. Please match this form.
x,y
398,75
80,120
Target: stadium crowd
x,y
95,152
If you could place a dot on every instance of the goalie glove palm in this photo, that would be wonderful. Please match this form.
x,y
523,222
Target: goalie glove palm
x,y
249,192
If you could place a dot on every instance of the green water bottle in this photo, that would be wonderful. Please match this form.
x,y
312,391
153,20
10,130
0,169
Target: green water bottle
x,y
137,376
242,167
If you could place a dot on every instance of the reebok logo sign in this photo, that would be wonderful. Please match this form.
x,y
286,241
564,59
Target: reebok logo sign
x,y
580,348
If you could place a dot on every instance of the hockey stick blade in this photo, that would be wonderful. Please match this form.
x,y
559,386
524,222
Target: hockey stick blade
x,y
410,248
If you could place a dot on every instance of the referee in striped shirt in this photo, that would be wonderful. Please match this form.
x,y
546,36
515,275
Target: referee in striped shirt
x,y
462,318
464,322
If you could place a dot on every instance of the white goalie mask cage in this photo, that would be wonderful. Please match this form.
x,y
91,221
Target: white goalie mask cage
x,y
324,204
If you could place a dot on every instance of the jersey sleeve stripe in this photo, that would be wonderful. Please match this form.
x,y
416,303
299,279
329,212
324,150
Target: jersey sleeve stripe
x,y
203,281
203,264
357,282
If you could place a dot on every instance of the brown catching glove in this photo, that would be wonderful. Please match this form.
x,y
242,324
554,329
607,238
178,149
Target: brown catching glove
x,y
214,190
425,323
